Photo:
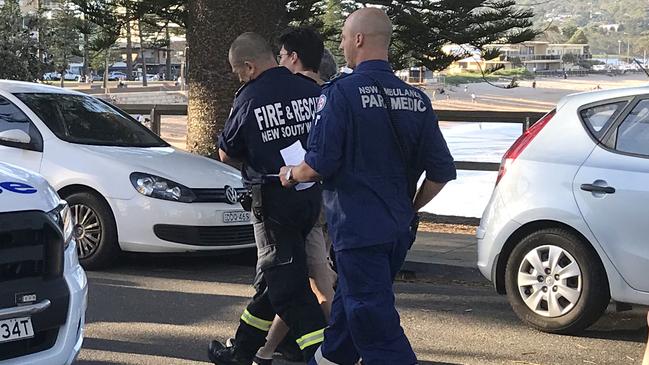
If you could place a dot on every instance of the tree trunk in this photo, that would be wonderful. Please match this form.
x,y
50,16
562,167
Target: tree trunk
x,y
168,55
86,56
213,25
63,67
144,80
129,49
105,80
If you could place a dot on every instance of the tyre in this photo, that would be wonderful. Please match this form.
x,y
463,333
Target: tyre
x,y
95,230
555,282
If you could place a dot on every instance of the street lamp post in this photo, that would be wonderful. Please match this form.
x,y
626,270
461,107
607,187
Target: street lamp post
x,y
619,47
628,46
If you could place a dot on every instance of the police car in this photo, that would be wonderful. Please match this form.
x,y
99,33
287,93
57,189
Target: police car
x,y
128,189
43,289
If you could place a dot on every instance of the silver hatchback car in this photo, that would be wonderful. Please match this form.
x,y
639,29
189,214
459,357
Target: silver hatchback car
x,y
567,226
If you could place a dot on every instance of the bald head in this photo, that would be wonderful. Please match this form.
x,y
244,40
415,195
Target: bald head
x,y
374,24
250,47
250,55
366,36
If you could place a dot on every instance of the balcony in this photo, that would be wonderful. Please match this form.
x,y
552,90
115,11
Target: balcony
x,y
539,57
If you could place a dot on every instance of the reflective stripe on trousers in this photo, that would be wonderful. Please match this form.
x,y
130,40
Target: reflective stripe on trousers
x,y
318,359
258,323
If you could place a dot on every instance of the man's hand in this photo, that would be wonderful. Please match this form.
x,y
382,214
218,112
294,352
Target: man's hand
x,y
283,177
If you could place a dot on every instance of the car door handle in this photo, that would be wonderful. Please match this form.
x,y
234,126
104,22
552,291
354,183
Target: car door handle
x,y
598,189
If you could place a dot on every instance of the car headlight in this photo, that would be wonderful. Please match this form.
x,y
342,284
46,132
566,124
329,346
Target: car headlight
x,y
63,219
161,188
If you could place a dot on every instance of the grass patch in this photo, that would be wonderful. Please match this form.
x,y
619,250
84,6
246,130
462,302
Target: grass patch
x,y
473,77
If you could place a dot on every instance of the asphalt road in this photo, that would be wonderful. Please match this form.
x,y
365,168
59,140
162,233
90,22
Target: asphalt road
x,y
164,310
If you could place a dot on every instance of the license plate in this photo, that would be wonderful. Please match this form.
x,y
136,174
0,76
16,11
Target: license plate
x,y
16,329
234,217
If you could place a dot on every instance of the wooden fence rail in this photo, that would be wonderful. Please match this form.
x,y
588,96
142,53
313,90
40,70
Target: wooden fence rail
x,y
524,118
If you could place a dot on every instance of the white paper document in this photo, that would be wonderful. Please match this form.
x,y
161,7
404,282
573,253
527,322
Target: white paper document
x,y
294,155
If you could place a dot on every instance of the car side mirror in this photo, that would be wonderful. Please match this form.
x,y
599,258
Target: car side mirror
x,y
15,136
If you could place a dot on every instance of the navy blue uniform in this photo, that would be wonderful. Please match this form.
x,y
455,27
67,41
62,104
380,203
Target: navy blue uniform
x,y
367,191
270,113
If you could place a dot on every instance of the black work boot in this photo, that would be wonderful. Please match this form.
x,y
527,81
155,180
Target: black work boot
x,y
260,361
221,355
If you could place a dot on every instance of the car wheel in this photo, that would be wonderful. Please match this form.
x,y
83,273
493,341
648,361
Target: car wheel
x,y
555,282
95,230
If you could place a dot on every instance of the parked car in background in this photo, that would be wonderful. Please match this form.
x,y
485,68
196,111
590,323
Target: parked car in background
x,y
149,77
52,76
566,227
72,77
43,296
128,189
116,76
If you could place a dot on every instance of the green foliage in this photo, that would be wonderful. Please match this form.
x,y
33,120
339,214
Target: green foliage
x,y
62,36
18,49
421,27
578,37
521,72
468,78
631,15
473,77
570,58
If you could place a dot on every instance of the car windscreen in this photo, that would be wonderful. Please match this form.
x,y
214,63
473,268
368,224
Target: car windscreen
x,y
85,120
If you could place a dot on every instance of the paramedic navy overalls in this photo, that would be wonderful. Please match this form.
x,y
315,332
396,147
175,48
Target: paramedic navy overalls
x,y
367,190
271,113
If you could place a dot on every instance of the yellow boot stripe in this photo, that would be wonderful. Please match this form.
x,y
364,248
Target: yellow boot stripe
x,y
253,321
310,339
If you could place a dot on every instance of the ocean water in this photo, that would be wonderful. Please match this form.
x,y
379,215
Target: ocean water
x,y
481,142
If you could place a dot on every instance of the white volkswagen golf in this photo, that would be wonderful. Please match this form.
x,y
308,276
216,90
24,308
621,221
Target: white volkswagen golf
x,y
127,188
566,228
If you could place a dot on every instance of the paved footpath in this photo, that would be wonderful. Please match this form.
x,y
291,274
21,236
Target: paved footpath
x,y
444,249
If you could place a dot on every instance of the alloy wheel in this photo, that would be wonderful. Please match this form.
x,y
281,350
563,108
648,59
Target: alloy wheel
x,y
87,230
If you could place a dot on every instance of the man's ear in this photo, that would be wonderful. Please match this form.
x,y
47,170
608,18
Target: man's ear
x,y
250,67
360,39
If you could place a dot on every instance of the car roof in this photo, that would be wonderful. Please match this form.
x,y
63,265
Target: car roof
x,y
16,87
587,97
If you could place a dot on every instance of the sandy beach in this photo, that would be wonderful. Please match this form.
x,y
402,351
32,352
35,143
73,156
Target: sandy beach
x,y
547,93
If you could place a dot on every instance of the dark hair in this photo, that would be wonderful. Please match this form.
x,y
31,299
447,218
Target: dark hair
x,y
307,43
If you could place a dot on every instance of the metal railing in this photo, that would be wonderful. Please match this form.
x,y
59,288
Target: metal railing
x,y
155,112
524,118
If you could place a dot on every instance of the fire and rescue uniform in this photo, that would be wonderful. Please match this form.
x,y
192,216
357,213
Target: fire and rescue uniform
x,y
271,113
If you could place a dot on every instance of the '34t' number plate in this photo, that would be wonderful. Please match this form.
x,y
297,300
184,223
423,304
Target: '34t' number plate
x,y
236,216
16,329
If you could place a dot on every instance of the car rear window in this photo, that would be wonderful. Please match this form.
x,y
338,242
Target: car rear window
x,y
598,118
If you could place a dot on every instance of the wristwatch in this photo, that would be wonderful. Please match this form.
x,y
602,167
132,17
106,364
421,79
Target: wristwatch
x,y
289,175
